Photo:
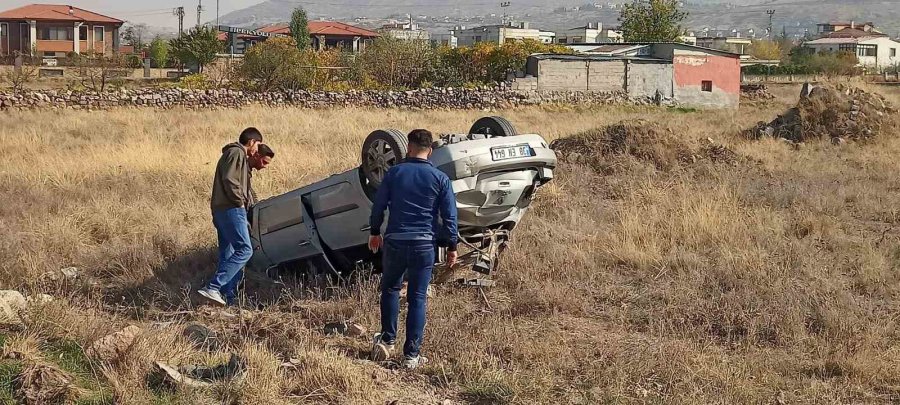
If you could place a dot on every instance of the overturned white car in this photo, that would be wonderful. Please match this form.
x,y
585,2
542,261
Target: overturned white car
x,y
325,225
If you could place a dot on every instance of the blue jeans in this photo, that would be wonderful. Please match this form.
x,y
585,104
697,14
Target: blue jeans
x,y
415,259
235,250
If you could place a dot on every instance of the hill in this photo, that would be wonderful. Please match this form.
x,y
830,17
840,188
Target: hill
x,y
792,16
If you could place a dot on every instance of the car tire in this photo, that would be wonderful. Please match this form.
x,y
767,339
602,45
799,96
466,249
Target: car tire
x,y
493,127
382,149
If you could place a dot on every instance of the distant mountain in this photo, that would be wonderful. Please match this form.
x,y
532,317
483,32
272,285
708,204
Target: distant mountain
x,y
795,17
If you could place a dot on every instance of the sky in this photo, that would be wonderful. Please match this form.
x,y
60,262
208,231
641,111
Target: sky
x,y
151,12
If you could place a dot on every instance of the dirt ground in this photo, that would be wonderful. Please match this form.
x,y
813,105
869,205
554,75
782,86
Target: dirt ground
x,y
672,260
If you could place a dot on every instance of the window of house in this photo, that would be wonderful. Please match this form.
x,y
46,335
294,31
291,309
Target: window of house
x,y
82,33
56,34
706,85
98,34
867,50
847,47
4,29
893,52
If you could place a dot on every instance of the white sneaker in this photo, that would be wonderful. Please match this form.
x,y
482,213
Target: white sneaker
x,y
212,295
411,363
381,350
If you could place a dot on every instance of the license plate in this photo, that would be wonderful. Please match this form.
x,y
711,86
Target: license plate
x,y
510,152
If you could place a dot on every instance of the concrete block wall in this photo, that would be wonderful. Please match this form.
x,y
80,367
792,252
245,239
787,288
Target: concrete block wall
x,y
645,79
562,75
606,76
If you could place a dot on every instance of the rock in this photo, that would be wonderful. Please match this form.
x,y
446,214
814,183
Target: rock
x,y
202,337
12,303
110,347
40,299
356,329
164,374
70,273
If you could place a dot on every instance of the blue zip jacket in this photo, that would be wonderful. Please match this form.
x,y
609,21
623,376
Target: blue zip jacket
x,y
416,193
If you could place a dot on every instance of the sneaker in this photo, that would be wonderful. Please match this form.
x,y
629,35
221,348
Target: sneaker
x,y
411,363
381,350
212,295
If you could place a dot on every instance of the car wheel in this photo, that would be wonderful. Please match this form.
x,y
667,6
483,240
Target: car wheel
x,y
493,127
382,150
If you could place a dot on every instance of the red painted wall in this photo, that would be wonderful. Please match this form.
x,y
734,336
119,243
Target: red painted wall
x,y
724,72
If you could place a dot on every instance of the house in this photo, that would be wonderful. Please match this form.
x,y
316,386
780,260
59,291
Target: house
x,y
825,29
689,75
449,40
405,31
734,44
57,30
499,34
592,33
547,37
330,34
872,48
238,40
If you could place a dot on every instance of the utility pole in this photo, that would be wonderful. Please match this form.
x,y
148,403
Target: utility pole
x,y
199,11
217,14
179,12
770,13
503,6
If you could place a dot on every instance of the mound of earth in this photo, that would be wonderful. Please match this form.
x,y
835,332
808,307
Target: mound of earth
x,y
755,92
641,140
830,112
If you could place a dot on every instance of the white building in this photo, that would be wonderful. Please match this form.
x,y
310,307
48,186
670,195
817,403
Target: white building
x,y
588,34
735,44
593,33
873,49
548,37
406,31
448,40
499,34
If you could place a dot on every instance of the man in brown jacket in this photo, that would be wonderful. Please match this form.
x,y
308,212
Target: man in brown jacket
x,y
231,197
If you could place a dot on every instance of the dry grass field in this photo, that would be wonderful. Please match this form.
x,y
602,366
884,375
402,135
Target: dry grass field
x,y
768,278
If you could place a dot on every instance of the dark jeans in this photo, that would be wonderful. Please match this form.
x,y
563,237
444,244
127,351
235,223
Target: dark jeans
x,y
415,259
235,250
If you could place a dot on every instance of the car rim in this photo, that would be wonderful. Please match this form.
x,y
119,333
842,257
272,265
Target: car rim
x,y
380,157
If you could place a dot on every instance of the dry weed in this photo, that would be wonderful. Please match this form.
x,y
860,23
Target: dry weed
x,y
660,281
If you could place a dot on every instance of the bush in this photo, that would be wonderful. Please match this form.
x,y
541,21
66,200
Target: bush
x,y
196,81
395,63
803,61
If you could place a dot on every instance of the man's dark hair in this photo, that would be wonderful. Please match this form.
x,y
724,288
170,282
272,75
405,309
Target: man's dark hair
x,y
266,150
250,134
421,138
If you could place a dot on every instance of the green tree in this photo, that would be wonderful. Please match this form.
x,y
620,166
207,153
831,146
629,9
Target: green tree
x,y
159,52
198,47
300,28
651,21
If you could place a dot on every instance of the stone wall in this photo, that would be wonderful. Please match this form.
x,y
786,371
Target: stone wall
x,y
447,98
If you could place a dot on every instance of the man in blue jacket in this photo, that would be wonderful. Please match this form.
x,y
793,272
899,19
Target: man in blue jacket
x,y
422,207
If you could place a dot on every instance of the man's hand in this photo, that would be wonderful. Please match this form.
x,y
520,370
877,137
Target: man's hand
x,y
451,258
375,242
